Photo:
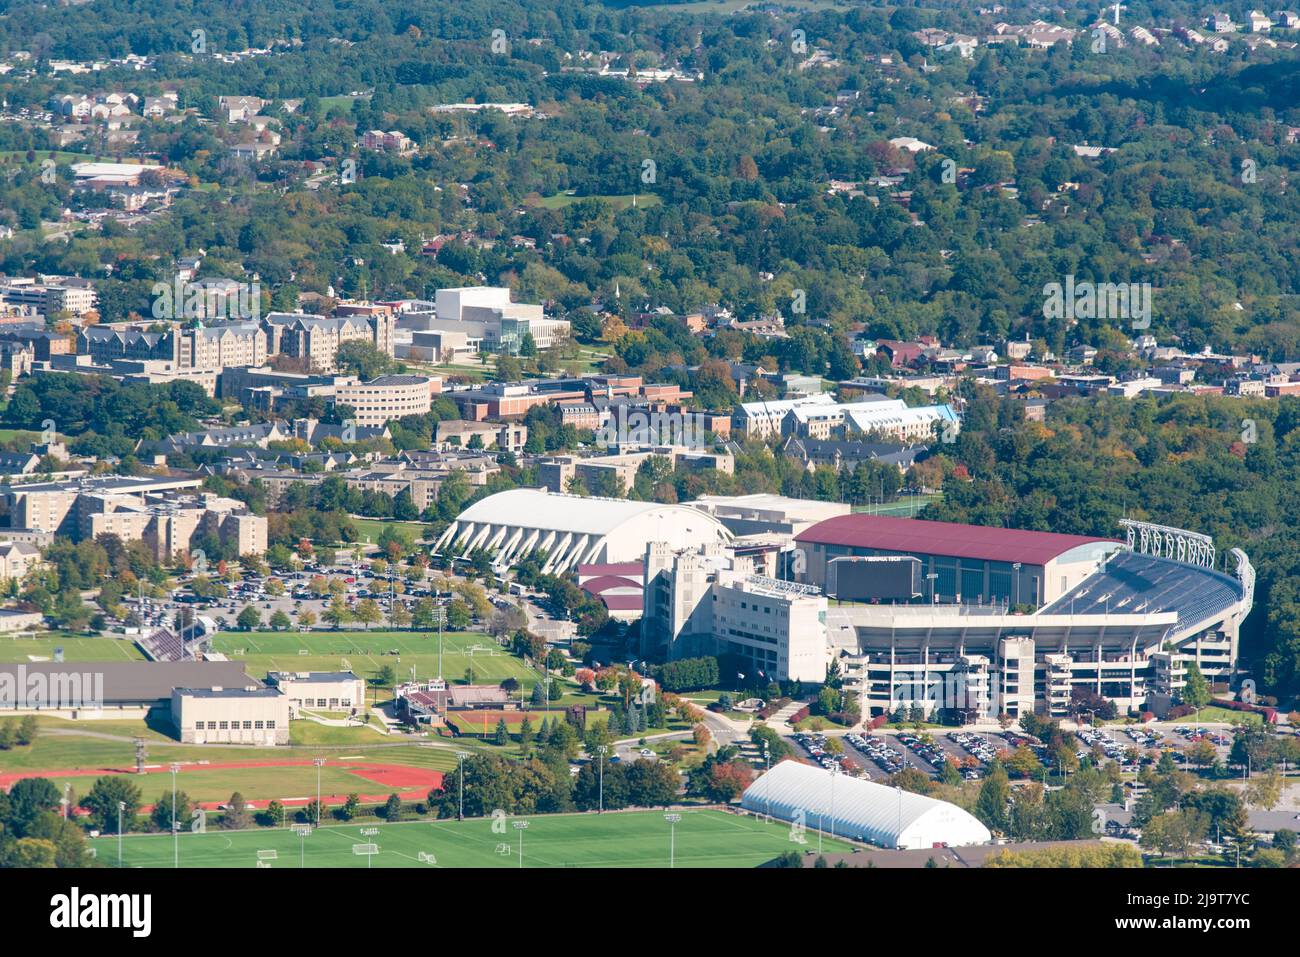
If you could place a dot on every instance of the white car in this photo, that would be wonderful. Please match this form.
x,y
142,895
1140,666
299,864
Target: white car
x,y
647,753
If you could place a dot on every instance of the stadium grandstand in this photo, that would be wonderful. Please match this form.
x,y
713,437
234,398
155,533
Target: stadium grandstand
x,y
1011,621
185,644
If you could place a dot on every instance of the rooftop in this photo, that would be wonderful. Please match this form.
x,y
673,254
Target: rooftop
x,y
912,536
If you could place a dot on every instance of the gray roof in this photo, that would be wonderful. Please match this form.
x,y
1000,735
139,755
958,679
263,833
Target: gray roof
x,y
311,676
224,692
142,681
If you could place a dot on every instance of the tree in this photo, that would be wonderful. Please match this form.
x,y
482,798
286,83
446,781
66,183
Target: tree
x,y
249,618
502,733
28,798
103,800
280,621
1196,690
161,816
393,809
1265,790
236,816
1174,832
368,612
337,613
458,616
995,793
348,809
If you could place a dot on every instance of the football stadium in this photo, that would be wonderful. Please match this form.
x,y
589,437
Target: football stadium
x,y
1007,621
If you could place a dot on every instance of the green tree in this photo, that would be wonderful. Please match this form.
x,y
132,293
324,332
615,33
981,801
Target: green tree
x,y
102,802
249,618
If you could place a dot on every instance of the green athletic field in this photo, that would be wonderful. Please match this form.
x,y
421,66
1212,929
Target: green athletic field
x,y
367,652
704,838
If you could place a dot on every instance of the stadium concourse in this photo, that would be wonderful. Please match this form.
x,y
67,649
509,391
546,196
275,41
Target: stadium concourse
x,y
572,529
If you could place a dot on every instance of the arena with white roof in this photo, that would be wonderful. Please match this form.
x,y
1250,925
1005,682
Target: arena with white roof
x,y
572,530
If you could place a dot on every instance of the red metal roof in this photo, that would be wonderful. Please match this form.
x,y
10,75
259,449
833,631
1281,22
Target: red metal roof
x,y
917,537
626,569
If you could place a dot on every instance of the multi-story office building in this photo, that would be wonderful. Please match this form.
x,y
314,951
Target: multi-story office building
x,y
387,397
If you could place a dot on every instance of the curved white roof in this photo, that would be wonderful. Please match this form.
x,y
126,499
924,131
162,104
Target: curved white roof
x,y
540,508
572,530
861,809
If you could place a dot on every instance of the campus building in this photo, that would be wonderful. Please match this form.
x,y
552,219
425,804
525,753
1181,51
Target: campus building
x,y
220,715
316,339
161,512
387,397
710,600
320,690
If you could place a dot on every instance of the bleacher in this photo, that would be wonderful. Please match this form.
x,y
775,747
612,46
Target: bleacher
x,y
1131,583
163,644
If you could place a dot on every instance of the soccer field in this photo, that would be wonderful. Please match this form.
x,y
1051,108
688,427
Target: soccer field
x,y
366,652
704,838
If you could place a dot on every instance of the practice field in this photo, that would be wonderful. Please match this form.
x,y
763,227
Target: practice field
x,y
704,838
260,780
27,648
366,652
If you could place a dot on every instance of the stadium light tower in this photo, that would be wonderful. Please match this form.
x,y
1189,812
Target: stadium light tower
x,y
1015,579
521,826
319,762
602,750
460,800
672,820
121,806
176,834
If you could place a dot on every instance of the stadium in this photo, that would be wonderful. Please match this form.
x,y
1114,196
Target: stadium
x,y
1006,621
572,529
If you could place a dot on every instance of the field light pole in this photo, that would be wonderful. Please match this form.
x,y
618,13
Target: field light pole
x,y
899,838
302,845
176,834
460,800
521,826
601,749
834,775
672,820
67,788
121,806
767,785
1015,579
319,762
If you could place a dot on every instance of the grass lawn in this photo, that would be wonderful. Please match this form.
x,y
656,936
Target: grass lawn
x,y
40,647
1220,716
906,507
371,528
367,652
255,784
60,156
327,103
561,200
703,838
